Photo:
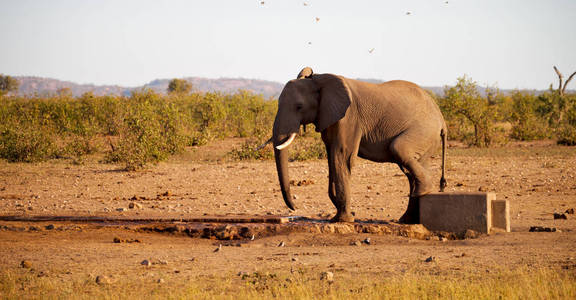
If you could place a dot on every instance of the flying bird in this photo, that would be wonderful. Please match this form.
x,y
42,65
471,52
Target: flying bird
x,y
371,50
305,4
408,13
317,19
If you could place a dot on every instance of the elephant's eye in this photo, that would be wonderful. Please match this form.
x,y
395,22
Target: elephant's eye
x,y
299,106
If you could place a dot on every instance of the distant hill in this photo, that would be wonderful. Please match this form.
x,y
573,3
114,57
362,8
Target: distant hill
x,y
46,86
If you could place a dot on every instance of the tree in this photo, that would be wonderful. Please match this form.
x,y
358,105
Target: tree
x,y
179,86
8,84
464,100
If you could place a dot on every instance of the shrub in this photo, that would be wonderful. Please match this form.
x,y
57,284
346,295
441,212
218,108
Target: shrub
x,y
248,151
26,143
149,132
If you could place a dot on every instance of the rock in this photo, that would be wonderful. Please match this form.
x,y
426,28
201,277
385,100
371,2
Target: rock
x,y
25,264
134,205
146,263
471,234
327,276
569,211
431,259
49,227
558,216
103,279
356,243
543,229
366,241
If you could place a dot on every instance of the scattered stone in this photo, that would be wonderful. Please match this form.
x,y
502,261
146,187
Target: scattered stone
x,y
219,248
103,279
119,240
294,259
282,244
327,276
161,280
121,209
431,259
356,243
136,205
366,241
166,194
146,263
543,229
558,216
471,234
49,227
25,264
294,197
569,211
443,239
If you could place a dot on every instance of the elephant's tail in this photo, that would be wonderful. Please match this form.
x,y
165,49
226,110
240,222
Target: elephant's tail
x,y
443,135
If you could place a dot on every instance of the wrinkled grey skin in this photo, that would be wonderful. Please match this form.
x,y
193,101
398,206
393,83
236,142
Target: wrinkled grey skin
x,y
395,122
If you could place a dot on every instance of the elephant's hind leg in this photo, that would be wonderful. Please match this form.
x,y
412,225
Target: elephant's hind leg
x,y
420,183
406,157
412,213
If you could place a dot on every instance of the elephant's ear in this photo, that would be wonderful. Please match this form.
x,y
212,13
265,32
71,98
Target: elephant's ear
x,y
334,100
305,73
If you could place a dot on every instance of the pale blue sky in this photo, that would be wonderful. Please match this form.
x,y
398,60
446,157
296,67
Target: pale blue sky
x,y
512,44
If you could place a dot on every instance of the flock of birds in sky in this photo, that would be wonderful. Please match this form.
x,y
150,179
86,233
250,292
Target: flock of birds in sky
x,y
408,13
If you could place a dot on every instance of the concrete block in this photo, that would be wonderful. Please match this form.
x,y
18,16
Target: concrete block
x,y
500,215
457,212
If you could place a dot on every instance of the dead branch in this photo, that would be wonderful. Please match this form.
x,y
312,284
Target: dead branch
x,y
560,90
566,82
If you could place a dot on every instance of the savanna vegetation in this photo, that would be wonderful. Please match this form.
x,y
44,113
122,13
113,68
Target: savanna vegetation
x,y
148,127
505,284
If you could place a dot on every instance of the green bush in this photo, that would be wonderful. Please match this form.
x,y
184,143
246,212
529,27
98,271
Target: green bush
x,y
248,151
149,133
26,143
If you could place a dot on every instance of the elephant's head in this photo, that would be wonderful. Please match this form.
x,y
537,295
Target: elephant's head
x,y
322,99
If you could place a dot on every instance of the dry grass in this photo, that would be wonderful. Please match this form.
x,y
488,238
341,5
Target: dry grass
x,y
506,284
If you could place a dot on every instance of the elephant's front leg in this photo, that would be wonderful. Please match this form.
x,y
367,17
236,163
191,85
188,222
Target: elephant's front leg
x,y
340,165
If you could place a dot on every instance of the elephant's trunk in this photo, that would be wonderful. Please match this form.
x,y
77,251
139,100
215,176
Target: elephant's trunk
x,y
281,157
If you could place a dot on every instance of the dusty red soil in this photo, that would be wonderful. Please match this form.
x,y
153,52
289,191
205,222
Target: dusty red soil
x,y
537,179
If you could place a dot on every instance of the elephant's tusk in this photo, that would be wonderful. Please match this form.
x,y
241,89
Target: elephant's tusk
x,y
264,145
287,143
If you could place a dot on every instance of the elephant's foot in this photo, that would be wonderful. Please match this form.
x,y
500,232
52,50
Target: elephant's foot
x,y
409,218
412,214
423,189
348,218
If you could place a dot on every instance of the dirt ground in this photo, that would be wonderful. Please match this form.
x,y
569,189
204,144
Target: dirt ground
x,y
538,179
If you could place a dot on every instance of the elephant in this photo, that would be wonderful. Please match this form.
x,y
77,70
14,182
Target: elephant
x,y
393,122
